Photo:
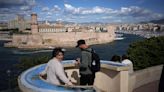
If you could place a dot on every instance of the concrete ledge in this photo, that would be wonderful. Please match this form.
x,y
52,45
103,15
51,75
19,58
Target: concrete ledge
x,y
145,76
113,77
29,80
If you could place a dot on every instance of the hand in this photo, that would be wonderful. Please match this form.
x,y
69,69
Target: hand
x,y
69,84
77,61
43,76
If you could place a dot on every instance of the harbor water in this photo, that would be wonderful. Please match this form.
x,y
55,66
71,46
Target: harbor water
x,y
10,56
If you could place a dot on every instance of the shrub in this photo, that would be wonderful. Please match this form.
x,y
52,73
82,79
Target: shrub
x,y
24,64
27,62
147,53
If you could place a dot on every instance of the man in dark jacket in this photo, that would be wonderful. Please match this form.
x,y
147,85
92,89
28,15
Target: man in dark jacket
x,y
161,83
87,76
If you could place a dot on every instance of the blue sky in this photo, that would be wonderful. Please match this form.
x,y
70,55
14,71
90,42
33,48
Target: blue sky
x,y
108,11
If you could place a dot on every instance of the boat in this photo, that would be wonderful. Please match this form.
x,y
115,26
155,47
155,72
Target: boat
x,y
119,36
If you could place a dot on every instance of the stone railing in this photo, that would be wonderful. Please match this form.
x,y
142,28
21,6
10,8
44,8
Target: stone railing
x,y
145,76
113,77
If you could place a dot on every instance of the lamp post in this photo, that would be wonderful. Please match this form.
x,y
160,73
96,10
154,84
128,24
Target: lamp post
x,y
9,84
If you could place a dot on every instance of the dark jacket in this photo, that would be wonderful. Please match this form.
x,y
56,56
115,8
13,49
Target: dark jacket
x,y
161,83
85,62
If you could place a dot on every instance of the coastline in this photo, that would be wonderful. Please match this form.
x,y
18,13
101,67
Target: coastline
x,y
27,47
5,36
145,34
50,41
90,41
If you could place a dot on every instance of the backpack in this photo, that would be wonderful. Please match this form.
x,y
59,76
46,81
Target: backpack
x,y
95,64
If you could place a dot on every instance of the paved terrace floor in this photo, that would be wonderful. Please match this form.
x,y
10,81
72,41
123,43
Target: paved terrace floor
x,y
151,87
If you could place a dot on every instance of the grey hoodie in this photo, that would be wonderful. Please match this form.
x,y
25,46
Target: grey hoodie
x,y
85,62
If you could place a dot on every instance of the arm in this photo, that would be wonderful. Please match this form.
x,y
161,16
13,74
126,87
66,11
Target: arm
x,y
61,74
44,71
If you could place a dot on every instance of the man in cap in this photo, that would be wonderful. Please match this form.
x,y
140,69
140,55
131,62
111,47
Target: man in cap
x,y
86,75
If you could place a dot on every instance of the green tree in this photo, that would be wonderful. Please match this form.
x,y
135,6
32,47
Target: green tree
x,y
27,62
24,64
147,53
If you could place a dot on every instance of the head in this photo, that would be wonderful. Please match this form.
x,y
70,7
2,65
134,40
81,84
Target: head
x,y
124,57
81,44
116,58
58,53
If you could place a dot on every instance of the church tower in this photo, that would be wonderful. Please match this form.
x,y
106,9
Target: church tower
x,y
34,24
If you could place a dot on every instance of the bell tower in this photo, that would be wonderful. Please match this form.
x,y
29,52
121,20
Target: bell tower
x,y
34,24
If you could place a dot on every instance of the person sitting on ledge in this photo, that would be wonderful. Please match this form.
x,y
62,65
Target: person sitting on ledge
x,y
54,69
116,58
125,60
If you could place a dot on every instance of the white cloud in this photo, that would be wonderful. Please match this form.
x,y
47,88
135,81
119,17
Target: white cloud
x,y
125,10
82,17
25,8
32,2
14,7
69,7
72,13
98,9
80,10
6,17
59,19
8,3
133,11
16,3
107,17
137,12
56,8
49,13
45,9
117,21
48,17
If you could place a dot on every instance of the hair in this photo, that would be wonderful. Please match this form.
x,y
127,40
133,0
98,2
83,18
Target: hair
x,y
125,57
116,58
56,51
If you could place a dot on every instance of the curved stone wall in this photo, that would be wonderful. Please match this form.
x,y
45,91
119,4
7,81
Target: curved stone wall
x,y
113,77
29,80
145,76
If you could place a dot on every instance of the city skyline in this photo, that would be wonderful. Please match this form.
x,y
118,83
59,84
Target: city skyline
x,y
107,11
